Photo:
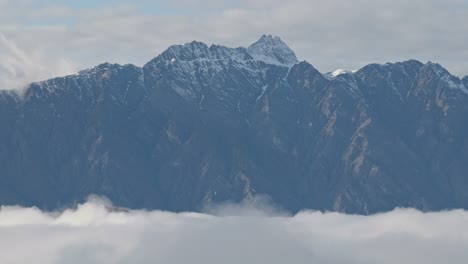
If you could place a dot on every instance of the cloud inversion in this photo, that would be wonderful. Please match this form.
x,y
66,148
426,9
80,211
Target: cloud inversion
x,y
95,233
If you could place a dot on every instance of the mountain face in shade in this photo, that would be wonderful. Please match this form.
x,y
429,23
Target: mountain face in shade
x,y
202,124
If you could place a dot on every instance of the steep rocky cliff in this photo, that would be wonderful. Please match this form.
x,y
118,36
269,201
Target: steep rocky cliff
x,y
201,124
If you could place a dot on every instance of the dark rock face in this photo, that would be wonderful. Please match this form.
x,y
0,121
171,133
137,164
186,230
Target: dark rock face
x,y
201,124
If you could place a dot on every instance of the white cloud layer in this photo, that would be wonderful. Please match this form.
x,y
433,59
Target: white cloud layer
x,y
95,233
329,34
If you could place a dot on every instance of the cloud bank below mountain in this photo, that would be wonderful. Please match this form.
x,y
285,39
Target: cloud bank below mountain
x,y
94,232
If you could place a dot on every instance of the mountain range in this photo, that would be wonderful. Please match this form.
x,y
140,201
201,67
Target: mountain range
x,y
203,124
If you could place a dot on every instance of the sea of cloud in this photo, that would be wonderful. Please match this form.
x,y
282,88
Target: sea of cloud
x,y
96,232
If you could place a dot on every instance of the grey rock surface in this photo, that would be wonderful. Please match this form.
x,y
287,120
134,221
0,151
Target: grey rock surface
x,y
201,124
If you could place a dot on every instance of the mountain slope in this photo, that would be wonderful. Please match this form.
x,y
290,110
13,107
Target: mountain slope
x,y
201,124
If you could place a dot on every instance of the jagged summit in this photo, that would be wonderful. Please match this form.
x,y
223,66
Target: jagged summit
x,y
268,49
443,76
186,52
411,65
436,68
409,68
405,69
272,49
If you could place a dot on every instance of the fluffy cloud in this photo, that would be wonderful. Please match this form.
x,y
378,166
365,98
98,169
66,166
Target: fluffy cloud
x,y
329,34
95,232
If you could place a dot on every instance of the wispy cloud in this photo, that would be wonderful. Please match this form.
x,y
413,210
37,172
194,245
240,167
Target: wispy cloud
x,y
94,232
329,34
18,67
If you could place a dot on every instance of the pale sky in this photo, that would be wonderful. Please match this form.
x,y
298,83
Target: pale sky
x,y
43,39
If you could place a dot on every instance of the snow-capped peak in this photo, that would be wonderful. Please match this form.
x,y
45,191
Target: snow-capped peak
x,y
272,50
268,49
334,74
451,81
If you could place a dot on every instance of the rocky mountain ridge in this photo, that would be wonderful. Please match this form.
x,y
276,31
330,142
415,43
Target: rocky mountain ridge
x,y
200,124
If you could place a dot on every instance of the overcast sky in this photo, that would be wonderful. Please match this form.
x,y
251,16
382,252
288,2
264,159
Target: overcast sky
x,y
41,39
